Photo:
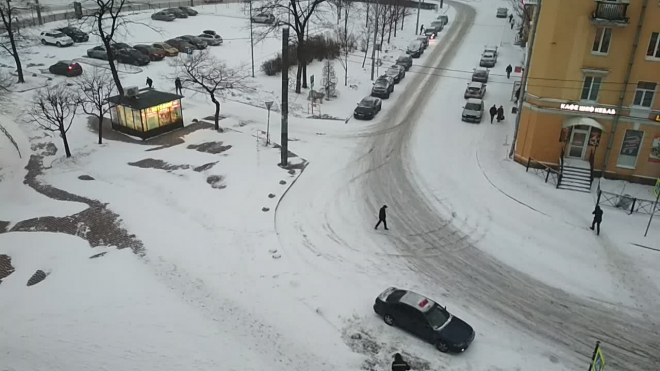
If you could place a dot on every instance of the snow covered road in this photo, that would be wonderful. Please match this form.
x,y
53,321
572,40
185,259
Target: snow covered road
x,y
427,237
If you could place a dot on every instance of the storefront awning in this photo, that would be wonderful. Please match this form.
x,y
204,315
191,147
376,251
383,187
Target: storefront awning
x,y
574,121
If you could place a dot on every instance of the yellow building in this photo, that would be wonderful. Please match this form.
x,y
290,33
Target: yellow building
x,y
592,97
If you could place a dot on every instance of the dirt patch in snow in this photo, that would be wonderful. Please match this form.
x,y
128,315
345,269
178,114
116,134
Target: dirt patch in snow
x,y
210,147
216,181
85,177
5,266
205,167
3,225
152,163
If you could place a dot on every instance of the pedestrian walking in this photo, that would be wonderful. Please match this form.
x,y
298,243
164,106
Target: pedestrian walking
x,y
150,82
421,30
382,217
399,364
513,24
493,112
598,218
510,18
517,95
509,69
177,86
500,114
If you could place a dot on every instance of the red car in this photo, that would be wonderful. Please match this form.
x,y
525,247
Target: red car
x,y
66,68
153,53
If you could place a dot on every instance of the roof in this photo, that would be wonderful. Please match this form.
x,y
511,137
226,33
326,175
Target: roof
x,y
417,301
474,100
476,85
146,98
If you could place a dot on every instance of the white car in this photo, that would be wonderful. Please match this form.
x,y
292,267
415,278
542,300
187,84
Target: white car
x,y
55,38
266,18
502,12
488,60
491,49
212,40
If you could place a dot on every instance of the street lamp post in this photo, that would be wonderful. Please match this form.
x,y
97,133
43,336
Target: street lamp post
x,y
269,104
251,40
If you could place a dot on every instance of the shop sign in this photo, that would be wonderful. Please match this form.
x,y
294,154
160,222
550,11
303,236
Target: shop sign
x,y
654,155
588,109
632,140
657,118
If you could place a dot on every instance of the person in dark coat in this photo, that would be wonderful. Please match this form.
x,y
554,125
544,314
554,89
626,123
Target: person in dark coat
x,y
509,69
500,114
399,364
177,86
598,218
510,18
517,95
493,112
421,30
150,82
513,24
382,217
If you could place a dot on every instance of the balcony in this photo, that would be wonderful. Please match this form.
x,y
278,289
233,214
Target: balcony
x,y
610,13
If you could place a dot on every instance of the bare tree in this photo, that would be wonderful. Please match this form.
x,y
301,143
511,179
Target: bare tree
x,y
93,91
347,40
295,14
9,22
54,108
204,72
524,13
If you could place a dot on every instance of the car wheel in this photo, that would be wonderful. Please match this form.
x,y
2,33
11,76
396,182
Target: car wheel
x,y
43,41
389,320
387,96
136,63
442,347
59,45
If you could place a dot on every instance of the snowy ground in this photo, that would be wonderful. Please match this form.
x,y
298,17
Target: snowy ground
x,y
217,282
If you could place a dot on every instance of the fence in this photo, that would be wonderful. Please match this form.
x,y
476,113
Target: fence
x,y
626,202
30,19
543,171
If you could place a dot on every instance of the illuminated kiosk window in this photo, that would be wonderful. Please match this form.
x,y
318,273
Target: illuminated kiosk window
x,y
147,114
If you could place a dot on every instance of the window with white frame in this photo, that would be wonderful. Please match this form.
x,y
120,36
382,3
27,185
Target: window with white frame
x,y
654,46
590,88
644,94
602,40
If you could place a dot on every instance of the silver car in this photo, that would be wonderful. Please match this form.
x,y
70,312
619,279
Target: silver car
x,y
163,16
480,75
473,111
475,90
97,52
502,12
488,60
491,49
212,40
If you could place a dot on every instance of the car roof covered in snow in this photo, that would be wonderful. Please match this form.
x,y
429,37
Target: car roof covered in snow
x,y
368,99
476,85
475,101
480,70
417,301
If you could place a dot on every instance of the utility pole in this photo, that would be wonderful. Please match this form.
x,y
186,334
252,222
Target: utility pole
x,y
373,51
251,40
419,5
655,206
523,83
285,98
38,7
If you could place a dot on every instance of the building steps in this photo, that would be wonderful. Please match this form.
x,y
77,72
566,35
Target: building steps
x,y
575,178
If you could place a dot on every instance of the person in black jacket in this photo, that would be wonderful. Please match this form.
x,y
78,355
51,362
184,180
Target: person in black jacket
x,y
500,114
150,82
509,69
382,217
598,218
493,112
178,86
399,364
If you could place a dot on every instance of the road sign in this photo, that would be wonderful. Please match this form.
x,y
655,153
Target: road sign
x,y
269,104
189,51
598,362
656,190
311,82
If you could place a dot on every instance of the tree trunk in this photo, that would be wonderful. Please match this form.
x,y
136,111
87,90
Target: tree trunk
x,y
396,19
17,60
382,33
8,23
67,151
113,70
216,116
304,77
301,62
366,49
366,24
403,17
346,46
100,129
389,27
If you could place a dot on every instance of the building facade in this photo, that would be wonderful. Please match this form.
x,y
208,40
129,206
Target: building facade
x,y
592,96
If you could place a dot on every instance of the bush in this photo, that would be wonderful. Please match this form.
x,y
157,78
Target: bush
x,y
272,66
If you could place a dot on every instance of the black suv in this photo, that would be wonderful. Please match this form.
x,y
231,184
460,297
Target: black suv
x,y
75,34
368,108
131,56
424,318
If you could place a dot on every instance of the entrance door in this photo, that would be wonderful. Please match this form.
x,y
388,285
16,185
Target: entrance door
x,y
579,141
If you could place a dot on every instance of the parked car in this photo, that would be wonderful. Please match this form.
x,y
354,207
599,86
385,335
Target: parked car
x,y
487,60
196,41
154,54
177,12
97,52
266,18
66,68
396,72
383,87
163,16
368,108
444,19
415,49
190,11
55,38
433,29
475,90
180,44
425,319
473,111
119,46
168,49
480,75
74,33
424,40
502,12
405,61
212,40
491,49
131,56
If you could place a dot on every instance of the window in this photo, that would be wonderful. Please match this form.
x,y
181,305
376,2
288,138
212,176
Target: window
x,y
590,88
602,40
644,94
654,47
632,141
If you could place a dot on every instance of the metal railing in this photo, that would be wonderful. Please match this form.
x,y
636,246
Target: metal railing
x,y
561,167
626,202
610,11
543,171
591,167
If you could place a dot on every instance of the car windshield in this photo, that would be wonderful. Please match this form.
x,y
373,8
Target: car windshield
x,y
58,35
488,55
473,89
402,59
436,316
366,103
473,106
